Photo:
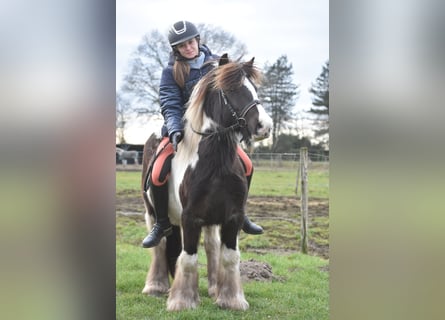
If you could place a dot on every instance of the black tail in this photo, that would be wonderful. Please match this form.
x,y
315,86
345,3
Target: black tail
x,y
174,248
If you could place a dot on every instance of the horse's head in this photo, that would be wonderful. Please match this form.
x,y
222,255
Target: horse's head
x,y
226,100
235,87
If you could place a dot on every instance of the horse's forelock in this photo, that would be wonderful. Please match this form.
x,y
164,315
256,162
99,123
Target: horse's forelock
x,y
230,76
253,73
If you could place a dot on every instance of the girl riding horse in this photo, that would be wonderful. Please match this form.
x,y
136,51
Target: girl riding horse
x,y
188,63
208,189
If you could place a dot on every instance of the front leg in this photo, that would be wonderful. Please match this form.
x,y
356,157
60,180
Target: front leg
x,y
230,294
184,291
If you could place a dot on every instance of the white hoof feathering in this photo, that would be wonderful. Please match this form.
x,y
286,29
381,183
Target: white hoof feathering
x,y
230,293
184,291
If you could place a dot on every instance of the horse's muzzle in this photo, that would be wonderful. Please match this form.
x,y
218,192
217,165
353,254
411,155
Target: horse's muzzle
x,y
261,134
264,126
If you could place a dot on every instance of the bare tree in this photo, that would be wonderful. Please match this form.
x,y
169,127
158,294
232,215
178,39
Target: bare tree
x,y
220,41
123,111
141,83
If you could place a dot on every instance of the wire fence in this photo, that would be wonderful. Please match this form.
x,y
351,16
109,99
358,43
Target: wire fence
x,y
286,160
268,160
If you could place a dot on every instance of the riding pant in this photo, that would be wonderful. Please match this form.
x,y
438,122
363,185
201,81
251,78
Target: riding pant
x,y
162,164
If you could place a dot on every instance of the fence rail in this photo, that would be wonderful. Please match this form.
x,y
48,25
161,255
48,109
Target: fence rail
x,y
270,160
284,160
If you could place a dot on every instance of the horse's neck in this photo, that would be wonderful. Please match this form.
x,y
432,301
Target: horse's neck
x,y
204,138
219,152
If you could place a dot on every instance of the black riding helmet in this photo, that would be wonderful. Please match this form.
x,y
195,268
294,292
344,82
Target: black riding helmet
x,y
182,31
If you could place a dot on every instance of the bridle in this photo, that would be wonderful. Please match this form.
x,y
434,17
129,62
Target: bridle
x,y
240,121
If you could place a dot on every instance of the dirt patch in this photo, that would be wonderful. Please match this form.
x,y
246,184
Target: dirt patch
x,y
253,270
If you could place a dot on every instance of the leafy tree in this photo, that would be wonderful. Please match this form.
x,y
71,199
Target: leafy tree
x,y
279,94
320,102
291,143
288,143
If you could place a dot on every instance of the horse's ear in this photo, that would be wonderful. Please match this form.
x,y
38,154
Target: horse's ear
x,y
250,63
224,59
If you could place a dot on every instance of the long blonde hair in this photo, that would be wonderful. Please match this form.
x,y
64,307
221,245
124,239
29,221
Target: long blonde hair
x,y
181,68
181,71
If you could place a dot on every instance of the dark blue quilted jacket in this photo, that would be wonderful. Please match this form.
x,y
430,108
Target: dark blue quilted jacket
x,y
173,98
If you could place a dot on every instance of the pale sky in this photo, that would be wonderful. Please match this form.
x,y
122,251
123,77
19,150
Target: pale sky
x,y
269,29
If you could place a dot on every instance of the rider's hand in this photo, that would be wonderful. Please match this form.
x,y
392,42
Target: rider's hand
x,y
175,138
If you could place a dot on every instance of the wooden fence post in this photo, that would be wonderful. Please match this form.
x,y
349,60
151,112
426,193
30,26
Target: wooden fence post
x,y
304,199
297,180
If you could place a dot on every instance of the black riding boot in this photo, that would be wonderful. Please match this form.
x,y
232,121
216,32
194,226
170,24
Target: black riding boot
x,y
248,226
162,227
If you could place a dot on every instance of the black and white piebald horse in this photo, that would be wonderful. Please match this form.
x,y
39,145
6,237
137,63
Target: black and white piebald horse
x,y
208,189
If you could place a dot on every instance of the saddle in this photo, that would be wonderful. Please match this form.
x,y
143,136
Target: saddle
x,y
155,156
150,147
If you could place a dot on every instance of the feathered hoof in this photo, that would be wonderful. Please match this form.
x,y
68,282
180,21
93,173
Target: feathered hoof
x,y
212,291
233,303
181,304
155,289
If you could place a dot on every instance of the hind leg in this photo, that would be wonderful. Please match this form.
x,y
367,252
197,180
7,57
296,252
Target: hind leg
x,y
184,291
230,294
157,281
212,245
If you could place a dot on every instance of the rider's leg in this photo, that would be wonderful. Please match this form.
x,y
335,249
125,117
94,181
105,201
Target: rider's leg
x,y
159,191
248,226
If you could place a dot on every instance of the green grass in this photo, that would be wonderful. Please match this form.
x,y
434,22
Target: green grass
x,y
128,180
277,182
300,291
282,182
301,287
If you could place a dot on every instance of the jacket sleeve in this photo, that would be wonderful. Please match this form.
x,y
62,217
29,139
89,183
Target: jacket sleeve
x,y
172,102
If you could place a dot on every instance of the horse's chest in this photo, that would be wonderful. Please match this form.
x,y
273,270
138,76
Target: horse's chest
x,y
211,192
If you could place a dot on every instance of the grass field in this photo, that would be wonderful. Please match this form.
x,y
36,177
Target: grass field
x,y
277,182
299,288
300,291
